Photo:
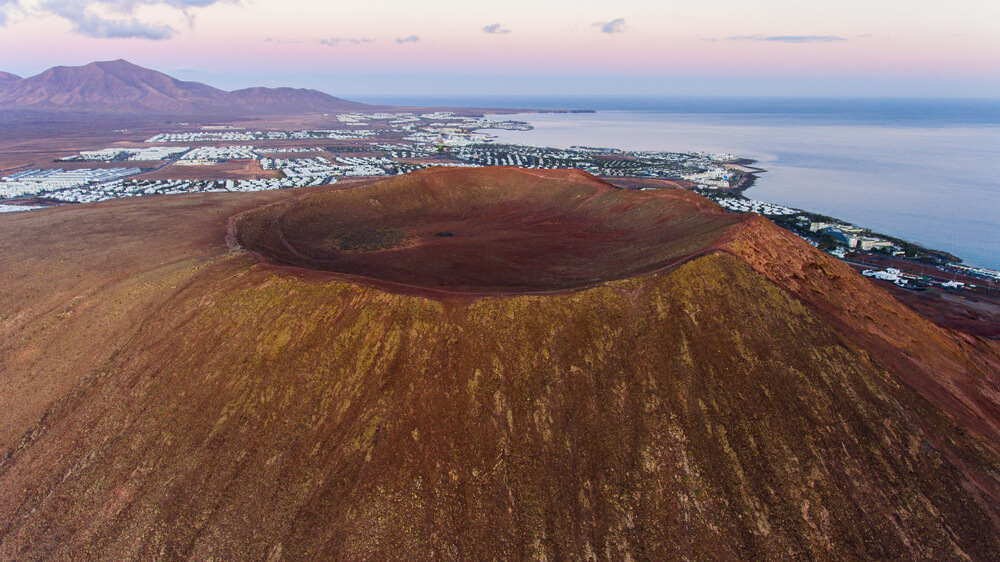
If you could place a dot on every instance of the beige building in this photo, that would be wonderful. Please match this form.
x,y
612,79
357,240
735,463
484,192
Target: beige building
x,y
874,243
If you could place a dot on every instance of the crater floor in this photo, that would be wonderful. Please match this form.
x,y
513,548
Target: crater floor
x,y
485,230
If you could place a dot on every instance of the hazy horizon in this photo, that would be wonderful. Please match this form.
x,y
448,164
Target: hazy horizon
x,y
773,48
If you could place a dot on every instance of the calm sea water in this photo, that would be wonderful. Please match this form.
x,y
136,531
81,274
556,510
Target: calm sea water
x,y
922,170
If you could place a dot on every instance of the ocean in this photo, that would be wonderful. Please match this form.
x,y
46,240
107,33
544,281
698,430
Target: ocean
x,y
927,171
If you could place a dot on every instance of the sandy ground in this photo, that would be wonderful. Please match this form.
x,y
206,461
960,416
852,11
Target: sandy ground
x,y
232,170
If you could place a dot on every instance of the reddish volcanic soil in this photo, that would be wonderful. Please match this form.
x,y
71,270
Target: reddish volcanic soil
x,y
651,183
635,376
966,311
486,230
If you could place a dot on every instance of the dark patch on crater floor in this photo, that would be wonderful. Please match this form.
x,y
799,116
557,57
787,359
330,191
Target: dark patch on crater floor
x,y
371,240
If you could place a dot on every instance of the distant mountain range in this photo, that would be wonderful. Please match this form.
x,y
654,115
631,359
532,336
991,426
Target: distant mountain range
x,y
121,87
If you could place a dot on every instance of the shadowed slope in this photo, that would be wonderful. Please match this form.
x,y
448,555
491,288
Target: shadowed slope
x,y
200,405
486,230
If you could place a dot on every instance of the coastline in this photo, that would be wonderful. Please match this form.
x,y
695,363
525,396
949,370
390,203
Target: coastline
x,y
748,175
932,182
723,176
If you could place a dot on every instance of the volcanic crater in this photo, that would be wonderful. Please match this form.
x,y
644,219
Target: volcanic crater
x,y
164,397
485,231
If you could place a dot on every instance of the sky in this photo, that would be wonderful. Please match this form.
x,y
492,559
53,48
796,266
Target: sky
x,y
871,48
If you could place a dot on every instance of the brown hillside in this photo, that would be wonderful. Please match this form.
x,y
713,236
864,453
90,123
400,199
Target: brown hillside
x,y
170,398
958,371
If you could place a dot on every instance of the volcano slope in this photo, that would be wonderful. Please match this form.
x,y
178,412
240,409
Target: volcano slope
x,y
672,381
